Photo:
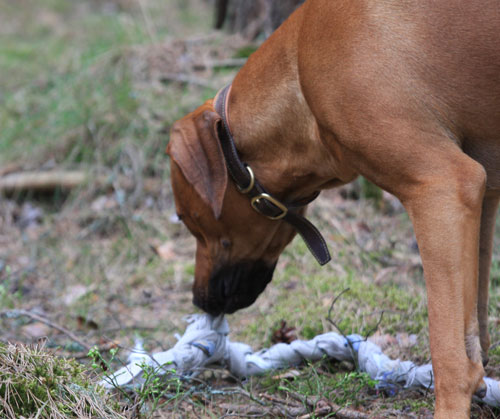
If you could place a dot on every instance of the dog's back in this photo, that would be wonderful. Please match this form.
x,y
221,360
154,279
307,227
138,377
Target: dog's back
x,y
440,57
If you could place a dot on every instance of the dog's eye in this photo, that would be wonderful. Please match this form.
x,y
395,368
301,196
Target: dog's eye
x,y
226,244
179,216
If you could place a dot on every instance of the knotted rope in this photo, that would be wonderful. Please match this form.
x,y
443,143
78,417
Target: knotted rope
x,y
206,342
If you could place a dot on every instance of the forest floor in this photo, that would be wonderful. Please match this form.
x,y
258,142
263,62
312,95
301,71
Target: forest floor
x,y
94,86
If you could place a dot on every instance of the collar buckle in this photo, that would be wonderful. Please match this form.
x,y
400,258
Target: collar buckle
x,y
262,198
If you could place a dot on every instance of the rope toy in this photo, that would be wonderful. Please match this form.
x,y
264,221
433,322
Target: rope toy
x,y
206,342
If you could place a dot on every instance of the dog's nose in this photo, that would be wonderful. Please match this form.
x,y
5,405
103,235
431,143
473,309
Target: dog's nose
x,y
207,305
234,287
481,390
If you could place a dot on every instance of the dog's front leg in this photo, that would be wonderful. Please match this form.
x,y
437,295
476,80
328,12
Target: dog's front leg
x,y
446,210
488,216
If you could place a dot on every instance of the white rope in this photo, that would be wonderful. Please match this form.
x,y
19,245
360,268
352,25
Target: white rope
x,y
206,342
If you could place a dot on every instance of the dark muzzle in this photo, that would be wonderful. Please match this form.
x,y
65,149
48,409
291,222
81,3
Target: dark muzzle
x,y
235,287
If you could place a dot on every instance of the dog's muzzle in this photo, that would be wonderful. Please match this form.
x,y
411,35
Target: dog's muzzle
x,y
234,287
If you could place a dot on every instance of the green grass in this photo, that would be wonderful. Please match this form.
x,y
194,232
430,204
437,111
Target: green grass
x,y
66,82
322,380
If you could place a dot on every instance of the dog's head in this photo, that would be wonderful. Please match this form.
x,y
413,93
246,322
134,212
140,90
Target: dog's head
x,y
236,248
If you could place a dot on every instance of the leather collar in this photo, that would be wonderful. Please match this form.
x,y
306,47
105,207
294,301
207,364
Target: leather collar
x,y
261,201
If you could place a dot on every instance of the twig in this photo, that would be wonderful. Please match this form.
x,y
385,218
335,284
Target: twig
x,y
278,400
308,400
374,328
344,413
329,319
323,407
333,303
317,413
246,394
245,410
71,335
49,180
341,413
256,411
41,180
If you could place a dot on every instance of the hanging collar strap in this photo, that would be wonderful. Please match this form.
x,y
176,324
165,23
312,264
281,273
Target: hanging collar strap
x,y
261,201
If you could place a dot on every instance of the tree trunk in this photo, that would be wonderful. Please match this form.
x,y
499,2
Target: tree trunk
x,y
253,18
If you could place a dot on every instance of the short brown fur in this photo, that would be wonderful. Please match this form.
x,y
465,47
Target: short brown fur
x,y
403,92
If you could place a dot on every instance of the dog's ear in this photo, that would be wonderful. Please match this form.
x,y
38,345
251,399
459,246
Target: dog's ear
x,y
196,150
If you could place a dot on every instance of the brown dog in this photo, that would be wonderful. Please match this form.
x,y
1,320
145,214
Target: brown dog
x,y
403,92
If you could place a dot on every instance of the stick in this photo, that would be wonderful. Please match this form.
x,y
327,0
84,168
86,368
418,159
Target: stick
x,y
329,319
323,407
50,180
277,400
41,181
71,335
340,413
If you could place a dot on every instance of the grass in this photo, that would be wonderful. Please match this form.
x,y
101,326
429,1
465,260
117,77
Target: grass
x,y
80,89
69,82
33,381
324,380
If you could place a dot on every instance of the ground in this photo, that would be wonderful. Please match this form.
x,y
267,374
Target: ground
x,y
94,86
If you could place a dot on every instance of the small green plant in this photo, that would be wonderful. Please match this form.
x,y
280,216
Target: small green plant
x,y
157,384
156,387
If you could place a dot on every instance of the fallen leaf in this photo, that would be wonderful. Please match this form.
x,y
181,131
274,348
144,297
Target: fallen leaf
x,y
284,334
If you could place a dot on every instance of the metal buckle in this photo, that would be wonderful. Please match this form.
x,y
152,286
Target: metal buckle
x,y
252,181
256,200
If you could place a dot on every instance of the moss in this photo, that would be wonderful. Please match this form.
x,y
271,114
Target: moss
x,y
38,382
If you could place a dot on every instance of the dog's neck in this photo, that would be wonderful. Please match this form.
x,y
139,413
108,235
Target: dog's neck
x,y
274,129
